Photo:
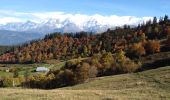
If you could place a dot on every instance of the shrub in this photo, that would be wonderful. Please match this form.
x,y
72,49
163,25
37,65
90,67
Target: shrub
x,y
12,69
72,64
26,75
95,59
128,66
12,82
20,79
8,82
120,56
37,81
152,46
107,60
137,50
15,73
82,72
93,72
49,81
1,83
67,77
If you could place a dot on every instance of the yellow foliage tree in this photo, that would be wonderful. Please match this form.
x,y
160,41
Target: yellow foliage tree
x,y
137,49
152,46
120,56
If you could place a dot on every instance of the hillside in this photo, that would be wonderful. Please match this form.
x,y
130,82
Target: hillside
x,y
151,84
155,78
4,49
15,38
123,50
136,41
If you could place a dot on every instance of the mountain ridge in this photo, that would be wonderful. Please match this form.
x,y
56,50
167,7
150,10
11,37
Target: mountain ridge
x,y
94,24
14,37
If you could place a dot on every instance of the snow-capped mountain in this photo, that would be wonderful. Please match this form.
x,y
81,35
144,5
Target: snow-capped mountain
x,y
89,24
53,25
19,32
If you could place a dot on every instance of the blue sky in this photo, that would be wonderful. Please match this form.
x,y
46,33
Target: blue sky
x,y
104,7
120,11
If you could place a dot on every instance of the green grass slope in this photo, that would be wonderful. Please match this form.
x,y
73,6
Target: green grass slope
x,y
156,78
148,85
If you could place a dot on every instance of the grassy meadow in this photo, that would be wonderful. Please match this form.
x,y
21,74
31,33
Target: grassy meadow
x,y
148,85
22,68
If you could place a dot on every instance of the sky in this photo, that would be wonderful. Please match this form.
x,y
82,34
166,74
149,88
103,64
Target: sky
x,y
18,10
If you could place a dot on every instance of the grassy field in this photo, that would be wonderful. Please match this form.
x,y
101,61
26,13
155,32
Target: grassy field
x,y
29,67
148,85
51,64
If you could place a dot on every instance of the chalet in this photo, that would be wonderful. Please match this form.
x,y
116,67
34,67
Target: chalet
x,y
42,69
7,70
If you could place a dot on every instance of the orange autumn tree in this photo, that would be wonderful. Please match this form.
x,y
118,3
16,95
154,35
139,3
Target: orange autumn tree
x,y
152,46
82,72
137,49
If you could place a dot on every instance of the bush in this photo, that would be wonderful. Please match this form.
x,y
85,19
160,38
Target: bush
x,y
82,72
8,82
95,59
107,60
15,74
67,77
72,64
1,83
128,66
137,50
152,46
93,72
12,82
120,56
37,81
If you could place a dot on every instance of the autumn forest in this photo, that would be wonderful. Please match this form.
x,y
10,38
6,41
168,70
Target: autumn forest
x,y
121,50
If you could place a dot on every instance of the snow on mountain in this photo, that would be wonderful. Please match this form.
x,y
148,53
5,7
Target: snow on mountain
x,y
73,23
16,30
19,27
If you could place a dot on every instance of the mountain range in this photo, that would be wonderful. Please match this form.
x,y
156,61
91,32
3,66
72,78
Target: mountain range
x,y
13,37
54,25
19,32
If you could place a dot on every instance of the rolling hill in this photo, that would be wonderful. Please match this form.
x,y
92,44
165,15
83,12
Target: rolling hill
x,y
151,84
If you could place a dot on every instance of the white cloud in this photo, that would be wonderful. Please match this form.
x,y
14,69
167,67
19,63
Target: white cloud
x,y
78,19
6,20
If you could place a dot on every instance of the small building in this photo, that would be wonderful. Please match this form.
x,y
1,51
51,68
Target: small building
x,y
42,69
7,70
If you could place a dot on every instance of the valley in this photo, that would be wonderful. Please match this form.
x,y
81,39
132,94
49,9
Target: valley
x,y
84,50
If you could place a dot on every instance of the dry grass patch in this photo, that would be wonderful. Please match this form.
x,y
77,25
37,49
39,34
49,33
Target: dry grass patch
x,y
148,85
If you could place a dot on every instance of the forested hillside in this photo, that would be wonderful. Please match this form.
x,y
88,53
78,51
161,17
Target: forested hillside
x,y
141,40
123,50
5,49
